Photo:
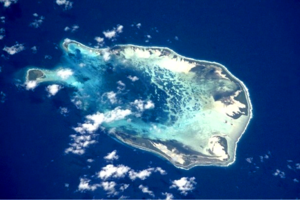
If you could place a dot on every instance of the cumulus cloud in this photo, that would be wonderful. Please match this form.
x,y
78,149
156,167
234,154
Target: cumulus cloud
x,y
106,55
85,185
120,171
65,3
53,89
279,173
111,171
184,185
65,73
138,25
140,105
121,85
100,41
30,85
116,114
112,97
160,170
146,190
133,78
169,196
2,33
34,49
111,34
124,187
112,156
37,22
72,29
80,143
63,111
143,174
149,105
7,3
14,49
2,18
109,187
94,121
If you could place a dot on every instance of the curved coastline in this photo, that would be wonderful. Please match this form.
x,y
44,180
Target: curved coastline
x,y
218,157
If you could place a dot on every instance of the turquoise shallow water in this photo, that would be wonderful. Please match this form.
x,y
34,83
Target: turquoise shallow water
x,y
256,40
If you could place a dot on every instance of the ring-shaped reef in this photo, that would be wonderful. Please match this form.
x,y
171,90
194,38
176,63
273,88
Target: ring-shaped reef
x,y
191,112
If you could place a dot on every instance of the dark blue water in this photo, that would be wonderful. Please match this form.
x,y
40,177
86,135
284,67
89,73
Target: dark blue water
x,y
257,40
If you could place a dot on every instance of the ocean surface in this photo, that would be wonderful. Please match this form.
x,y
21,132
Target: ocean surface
x,y
258,41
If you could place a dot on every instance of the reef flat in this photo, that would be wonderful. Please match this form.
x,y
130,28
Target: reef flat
x,y
191,112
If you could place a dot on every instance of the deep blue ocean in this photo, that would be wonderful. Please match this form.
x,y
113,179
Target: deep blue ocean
x,y
258,41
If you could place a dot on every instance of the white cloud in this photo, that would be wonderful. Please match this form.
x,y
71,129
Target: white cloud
x,y
120,171
90,160
141,174
72,29
34,49
2,33
48,57
14,49
121,85
109,187
124,187
67,4
119,28
146,190
279,173
94,121
91,125
169,196
63,110
99,39
149,105
7,3
249,160
116,114
141,105
184,185
106,56
65,73
80,143
112,97
37,22
53,89
133,78
30,85
110,170
111,34
85,185
112,156
160,170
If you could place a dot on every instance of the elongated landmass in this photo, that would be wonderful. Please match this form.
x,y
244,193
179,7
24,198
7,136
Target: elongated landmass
x,y
191,112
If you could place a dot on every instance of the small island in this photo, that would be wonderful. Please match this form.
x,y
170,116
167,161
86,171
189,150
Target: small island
x,y
190,112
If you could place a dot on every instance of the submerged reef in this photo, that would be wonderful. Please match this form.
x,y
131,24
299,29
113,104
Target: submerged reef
x,y
191,112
